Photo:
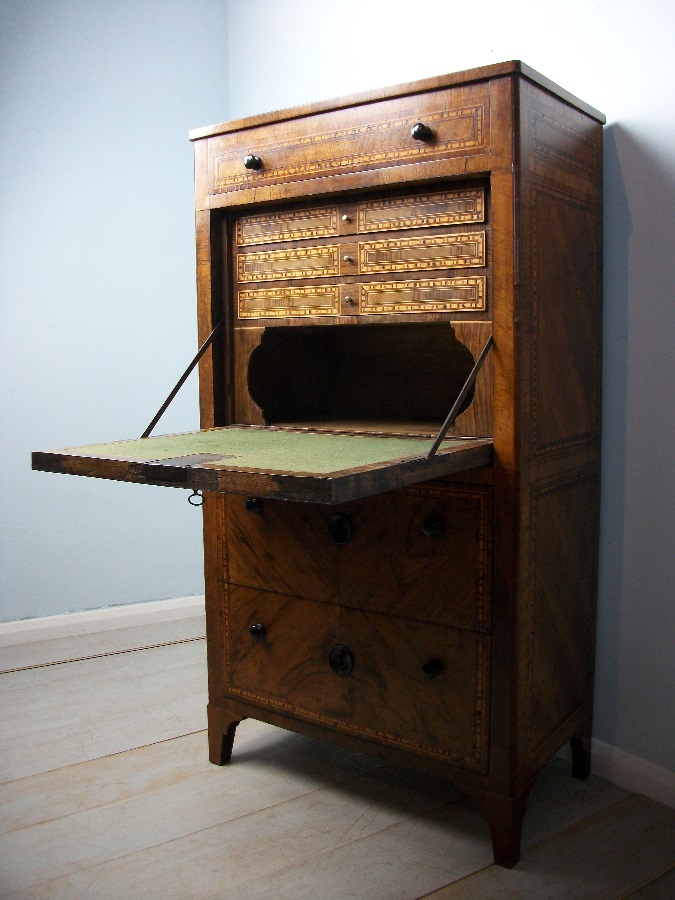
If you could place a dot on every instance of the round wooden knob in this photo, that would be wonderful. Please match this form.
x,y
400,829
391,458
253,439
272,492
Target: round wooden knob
x,y
340,529
433,526
257,631
341,659
253,162
253,505
421,132
432,668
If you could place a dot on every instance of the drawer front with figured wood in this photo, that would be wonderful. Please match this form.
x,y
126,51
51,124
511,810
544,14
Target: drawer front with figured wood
x,y
372,136
422,553
421,687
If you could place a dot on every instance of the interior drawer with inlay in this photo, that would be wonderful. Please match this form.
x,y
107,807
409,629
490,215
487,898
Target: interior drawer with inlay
x,y
414,685
402,253
428,209
422,552
445,251
327,146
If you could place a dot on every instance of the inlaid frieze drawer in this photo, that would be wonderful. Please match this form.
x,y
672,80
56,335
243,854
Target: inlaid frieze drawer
x,y
422,552
330,145
392,680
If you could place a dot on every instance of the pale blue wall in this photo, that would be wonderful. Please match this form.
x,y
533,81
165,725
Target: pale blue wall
x,y
617,56
97,285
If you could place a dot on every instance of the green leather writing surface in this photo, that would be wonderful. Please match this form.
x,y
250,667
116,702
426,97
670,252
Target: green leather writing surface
x,y
267,448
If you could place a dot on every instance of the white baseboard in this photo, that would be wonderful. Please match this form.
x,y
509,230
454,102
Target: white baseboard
x,y
630,772
24,631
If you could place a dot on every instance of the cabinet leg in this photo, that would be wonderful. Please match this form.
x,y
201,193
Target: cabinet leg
x,y
221,735
505,817
581,755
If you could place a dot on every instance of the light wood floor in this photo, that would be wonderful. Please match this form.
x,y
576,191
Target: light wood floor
x,y
107,792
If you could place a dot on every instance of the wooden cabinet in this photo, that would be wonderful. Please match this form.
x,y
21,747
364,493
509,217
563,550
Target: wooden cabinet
x,y
356,257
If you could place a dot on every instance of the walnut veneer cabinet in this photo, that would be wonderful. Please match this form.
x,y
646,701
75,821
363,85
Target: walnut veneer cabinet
x,y
356,257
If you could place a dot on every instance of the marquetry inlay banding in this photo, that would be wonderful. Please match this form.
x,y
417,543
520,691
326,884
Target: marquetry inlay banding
x,y
448,251
422,210
273,265
438,295
563,144
293,301
296,225
368,145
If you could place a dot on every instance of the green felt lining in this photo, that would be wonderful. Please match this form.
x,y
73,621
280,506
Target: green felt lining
x,y
268,449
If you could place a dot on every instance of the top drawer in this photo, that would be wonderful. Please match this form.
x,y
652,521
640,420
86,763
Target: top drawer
x,y
369,137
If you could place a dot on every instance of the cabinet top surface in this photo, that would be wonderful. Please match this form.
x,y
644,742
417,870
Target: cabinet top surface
x,y
468,76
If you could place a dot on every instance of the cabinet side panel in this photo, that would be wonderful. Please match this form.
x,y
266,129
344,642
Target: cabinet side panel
x,y
560,266
560,619
560,313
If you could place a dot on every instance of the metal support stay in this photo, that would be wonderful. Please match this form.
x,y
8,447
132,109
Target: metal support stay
x,y
461,397
181,381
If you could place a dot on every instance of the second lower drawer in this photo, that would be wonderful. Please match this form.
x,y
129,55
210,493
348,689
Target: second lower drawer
x,y
421,687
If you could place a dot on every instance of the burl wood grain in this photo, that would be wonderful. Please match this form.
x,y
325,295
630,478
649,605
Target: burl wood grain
x,y
386,697
390,565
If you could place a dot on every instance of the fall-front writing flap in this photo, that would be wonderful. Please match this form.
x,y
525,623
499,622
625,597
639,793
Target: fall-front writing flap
x,y
262,461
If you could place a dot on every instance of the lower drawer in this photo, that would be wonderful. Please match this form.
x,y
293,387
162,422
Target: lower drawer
x,y
421,553
421,687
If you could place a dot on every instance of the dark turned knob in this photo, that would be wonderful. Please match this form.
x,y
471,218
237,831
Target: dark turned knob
x,y
340,529
253,162
257,631
420,132
432,668
253,505
433,526
340,659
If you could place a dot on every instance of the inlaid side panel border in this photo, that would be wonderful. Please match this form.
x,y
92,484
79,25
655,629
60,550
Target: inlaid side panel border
x,y
564,381
562,143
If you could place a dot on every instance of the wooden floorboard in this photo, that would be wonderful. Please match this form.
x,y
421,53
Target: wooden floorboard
x,y
607,855
81,646
107,792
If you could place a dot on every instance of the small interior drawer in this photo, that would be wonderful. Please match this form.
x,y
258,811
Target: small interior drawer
x,y
422,553
326,260
425,209
387,679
